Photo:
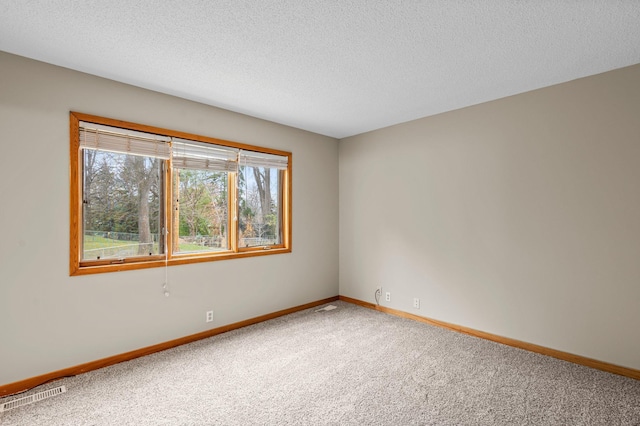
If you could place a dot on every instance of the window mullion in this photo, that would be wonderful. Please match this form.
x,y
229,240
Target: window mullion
x,y
171,236
232,202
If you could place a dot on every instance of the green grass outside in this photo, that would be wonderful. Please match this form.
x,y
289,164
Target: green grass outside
x,y
92,242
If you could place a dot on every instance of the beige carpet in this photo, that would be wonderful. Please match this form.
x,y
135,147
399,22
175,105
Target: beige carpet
x,y
348,366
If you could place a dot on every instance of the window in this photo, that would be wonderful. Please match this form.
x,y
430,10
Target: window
x,y
144,197
259,206
200,203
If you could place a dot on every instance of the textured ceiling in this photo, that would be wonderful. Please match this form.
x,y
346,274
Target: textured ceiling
x,y
335,67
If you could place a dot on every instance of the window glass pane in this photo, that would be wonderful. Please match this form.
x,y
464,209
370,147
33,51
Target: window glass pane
x,y
122,208
259,192
200,211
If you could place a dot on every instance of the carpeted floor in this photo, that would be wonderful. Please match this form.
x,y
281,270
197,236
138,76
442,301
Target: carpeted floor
x,y
348,366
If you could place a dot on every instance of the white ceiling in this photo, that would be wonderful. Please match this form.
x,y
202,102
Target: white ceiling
x,y
335,67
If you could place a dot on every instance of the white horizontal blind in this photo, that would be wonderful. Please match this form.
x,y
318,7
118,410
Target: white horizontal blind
x,y
122,141
204,156
260,159
185,153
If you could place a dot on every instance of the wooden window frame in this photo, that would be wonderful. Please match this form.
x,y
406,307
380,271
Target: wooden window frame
x,y
77,266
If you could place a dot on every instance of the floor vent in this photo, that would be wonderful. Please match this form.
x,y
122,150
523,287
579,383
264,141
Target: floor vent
x,y
6,406
326,308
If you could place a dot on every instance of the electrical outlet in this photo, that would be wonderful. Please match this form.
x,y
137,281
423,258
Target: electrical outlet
x,y
209,317
416,303
387,296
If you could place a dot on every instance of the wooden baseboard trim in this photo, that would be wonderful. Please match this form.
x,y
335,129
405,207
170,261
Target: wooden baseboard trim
x,y
565,356
16,387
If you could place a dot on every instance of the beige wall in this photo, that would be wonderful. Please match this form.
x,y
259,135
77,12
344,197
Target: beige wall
x,y
51,321
519,217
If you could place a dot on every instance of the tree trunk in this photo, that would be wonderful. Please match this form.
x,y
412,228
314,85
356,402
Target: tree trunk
x,y
146,178
144,226
263,181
